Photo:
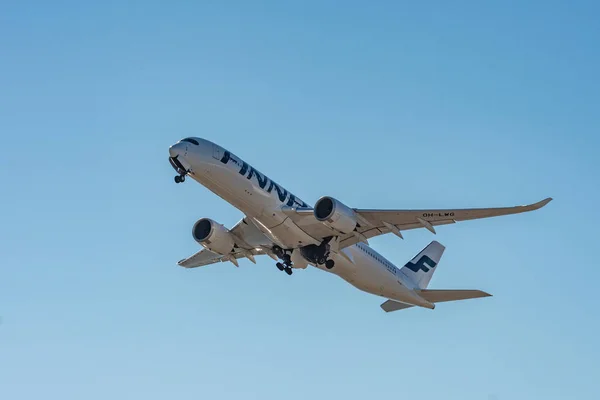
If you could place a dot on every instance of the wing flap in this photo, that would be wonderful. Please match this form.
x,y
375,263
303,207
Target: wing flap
x,y
349,240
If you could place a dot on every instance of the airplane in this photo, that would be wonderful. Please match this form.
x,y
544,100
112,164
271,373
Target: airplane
x,y
330,236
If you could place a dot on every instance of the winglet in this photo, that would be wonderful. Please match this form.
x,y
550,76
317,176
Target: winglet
x,y
540,204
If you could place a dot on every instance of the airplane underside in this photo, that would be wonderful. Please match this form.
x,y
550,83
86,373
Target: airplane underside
x,y
313,254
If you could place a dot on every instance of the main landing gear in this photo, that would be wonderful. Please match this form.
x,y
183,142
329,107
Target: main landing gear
x,y
319,254
315,254
179,178
287,260
328,262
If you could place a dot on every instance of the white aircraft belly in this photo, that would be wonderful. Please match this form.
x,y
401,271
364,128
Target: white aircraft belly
x,y
369,276
255,203
232,188
286,234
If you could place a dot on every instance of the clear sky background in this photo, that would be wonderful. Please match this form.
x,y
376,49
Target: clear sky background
x,y
381,104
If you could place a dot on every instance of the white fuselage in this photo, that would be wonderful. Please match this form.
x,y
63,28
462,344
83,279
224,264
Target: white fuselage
x,y
261,199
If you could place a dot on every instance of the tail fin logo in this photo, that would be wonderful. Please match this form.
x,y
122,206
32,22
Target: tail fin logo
x,y
424,264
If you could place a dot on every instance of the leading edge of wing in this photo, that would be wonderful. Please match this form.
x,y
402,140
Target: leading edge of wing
x,y
521,208
207,257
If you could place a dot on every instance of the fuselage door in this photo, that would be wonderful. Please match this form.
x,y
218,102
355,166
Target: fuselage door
x,y
217,152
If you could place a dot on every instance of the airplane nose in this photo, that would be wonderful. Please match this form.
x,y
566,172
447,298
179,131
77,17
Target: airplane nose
x,y
176,149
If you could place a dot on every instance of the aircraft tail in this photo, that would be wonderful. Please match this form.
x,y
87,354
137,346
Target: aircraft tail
x,y
421,268
435,296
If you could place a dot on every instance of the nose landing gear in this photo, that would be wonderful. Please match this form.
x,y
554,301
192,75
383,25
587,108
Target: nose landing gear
x,y
179,168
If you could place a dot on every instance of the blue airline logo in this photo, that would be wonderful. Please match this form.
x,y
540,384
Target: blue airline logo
x,y
424,264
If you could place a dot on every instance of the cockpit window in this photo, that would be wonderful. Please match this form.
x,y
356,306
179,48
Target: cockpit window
x,y
194,141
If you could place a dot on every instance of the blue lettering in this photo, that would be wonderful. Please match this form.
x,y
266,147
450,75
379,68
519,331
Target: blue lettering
x,y
244,168
262,180
291,201
282,193
226,156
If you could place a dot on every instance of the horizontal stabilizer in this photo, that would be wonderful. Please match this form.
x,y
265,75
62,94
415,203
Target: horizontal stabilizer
x,y
392,305
439,296
435,296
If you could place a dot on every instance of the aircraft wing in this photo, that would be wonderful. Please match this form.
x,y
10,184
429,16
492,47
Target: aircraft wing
x,y
249,241
207,257
378,222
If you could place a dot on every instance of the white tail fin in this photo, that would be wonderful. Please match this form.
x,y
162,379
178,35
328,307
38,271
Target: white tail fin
x,y
421,268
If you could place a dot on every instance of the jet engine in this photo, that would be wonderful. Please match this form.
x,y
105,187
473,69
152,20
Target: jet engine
x,y
335,214
212,236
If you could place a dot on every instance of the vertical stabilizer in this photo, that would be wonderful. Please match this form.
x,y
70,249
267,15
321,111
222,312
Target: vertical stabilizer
x,y
421,268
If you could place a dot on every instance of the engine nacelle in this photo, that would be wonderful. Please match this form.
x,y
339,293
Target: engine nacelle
x,y
213,236
335,214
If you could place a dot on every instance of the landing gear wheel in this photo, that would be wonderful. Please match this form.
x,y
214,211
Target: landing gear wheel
x,y
321,260
329,264
288,270
280,266
179,178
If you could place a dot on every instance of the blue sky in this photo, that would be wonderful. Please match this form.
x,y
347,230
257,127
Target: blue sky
x,y
383,105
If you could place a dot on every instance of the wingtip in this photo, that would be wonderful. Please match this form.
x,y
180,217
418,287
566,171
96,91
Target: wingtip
x,y
542,203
